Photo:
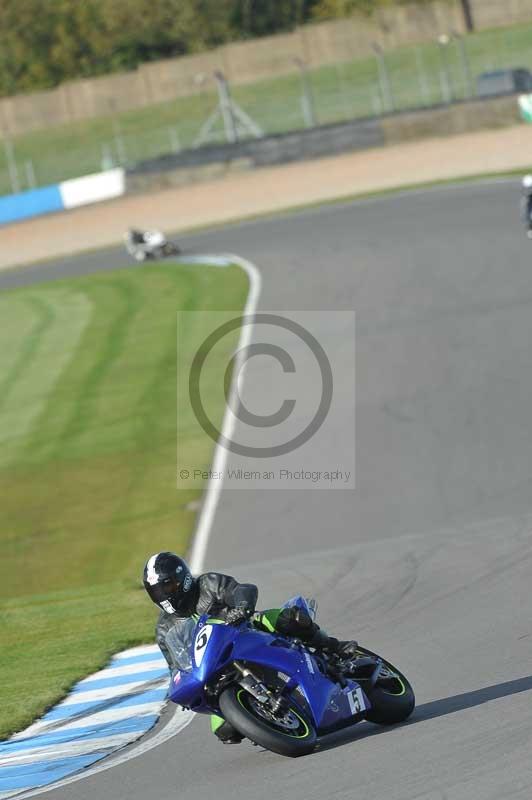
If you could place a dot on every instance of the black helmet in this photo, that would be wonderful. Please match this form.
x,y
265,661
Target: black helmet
x,y
169,583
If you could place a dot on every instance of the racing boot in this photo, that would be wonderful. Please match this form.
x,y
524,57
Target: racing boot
x,y
224,731
297,622
340,648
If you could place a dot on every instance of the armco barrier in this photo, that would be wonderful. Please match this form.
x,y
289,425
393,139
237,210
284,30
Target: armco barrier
x,y
14,207
69,194
93,188
217,160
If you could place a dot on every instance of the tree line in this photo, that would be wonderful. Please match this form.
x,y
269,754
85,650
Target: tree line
x,y
46,42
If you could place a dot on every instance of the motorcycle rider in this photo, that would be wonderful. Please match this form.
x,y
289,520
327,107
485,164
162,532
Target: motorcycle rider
x,y
180,596
526,204
135,236
135,241
148,244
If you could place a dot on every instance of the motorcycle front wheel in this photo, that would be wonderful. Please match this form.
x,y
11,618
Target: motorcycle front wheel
x,y
392,697
287,732
170,249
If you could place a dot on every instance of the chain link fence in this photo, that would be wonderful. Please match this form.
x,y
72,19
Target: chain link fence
x,y
443,71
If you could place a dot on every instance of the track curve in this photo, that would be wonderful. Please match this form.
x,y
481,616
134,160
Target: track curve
x,y
429,561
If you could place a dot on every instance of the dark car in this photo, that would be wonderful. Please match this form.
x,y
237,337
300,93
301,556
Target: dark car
x,y
504,81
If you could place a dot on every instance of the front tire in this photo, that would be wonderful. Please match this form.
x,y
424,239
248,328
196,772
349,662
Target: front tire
x,y
170,249
392,697
292,736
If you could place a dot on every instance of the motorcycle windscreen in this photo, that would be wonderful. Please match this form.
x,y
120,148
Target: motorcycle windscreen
x,y
308,604
179,641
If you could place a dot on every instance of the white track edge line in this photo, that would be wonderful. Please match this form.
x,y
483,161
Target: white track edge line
x,y
214,487
180,719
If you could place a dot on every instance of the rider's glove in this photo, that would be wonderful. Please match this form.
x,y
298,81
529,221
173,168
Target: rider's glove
x,y
294,621
344,649
348,649
237,615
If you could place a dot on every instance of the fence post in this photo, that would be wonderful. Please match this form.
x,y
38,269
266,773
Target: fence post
x,y
30,174
307,97
466,64
107,161
376,102
444,87
445,77
226,107
340,77
422,78
119,142
388,101
231,115
11,165
117,133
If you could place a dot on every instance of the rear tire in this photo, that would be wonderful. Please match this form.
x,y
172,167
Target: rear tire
x,y
240,709
392,698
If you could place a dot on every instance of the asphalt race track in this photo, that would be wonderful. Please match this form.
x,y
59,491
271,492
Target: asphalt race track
x,y
429,560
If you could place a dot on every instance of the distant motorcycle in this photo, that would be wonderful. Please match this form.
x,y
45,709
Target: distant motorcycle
x,y
526,204
278,692
143,245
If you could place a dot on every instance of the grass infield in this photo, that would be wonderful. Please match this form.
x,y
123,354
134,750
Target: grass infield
x,y
88,433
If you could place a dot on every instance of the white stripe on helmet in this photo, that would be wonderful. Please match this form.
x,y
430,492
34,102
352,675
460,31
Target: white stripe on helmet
x,y
152,576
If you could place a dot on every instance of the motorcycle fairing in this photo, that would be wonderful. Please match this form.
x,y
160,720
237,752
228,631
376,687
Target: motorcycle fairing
x,y
216,646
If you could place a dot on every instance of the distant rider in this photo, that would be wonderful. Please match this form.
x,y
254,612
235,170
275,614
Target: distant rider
x,y
179,595
135,236
526,204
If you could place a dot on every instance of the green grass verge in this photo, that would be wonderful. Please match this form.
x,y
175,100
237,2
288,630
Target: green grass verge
x,y
343,91
88,435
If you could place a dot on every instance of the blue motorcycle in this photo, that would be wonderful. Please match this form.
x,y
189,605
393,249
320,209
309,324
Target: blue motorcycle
x,y
279,693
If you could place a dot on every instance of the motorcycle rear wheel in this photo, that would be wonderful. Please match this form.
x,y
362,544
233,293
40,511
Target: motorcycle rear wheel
x,y
289,734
